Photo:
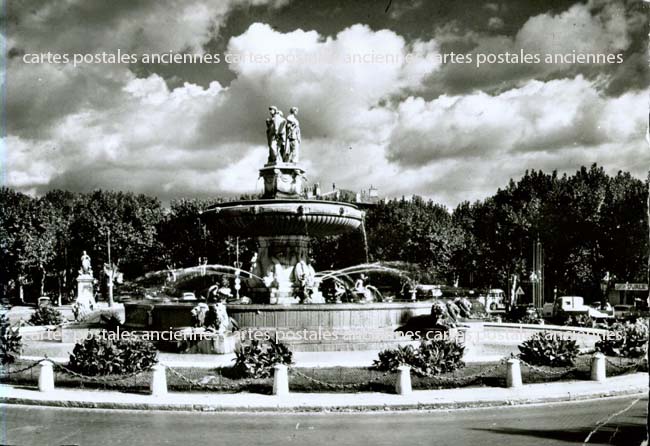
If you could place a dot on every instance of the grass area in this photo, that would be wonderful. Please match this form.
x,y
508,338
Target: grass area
x,y
331,379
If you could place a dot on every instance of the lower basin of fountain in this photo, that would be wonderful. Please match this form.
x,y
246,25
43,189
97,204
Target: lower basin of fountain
x,y
309,327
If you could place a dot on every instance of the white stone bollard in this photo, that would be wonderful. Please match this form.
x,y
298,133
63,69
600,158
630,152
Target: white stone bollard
x,y
158,380
46,377
513,378
403,384
598,369
280,380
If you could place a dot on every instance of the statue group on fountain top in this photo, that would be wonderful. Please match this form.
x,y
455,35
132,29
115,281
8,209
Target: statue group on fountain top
x,y
283,135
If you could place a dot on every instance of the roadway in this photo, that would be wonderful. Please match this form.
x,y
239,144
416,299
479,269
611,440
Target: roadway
x,y
618,421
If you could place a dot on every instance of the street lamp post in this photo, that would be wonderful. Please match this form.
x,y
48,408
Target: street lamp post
x,y
237,271
110,271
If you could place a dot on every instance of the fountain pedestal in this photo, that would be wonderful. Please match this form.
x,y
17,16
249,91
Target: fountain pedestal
x,y
282,180
85,292
277,257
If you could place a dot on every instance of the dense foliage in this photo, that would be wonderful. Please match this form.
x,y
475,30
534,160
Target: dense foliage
x,y
589,223
547,348
102,355
46,315
625,340
578,320
523,315
256,360
10,341
430,358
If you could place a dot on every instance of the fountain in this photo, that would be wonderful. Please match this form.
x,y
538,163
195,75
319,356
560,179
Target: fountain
x,y
283,220
281,282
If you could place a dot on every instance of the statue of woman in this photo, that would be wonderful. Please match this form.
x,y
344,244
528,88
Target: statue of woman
x,y
86,268
276,134
293,136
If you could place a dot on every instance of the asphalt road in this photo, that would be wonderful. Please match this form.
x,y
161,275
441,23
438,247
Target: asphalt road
x,y
564,423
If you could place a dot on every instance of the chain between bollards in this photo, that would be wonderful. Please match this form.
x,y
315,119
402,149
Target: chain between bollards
x,y
403,385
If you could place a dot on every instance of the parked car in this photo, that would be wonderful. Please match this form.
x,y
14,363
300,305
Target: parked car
x,y
623,311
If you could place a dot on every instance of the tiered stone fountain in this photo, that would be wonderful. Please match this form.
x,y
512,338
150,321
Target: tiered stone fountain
x,y
282,222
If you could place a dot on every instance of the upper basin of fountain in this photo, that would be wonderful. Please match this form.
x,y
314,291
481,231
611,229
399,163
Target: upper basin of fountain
x,y
273,217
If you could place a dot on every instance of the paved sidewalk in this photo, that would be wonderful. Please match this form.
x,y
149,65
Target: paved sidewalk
x,y
421,399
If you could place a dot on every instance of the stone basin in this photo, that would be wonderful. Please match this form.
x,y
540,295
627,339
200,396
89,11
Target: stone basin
x,y
275,217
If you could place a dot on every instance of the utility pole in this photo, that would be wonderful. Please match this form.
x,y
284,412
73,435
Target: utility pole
x,y
110,270
537,276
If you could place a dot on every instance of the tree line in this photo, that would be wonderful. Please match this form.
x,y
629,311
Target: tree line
x,y
589,224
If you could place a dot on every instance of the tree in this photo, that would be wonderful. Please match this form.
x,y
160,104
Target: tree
x,y
13,231
132,221
28,242
62,203
183,235
417,232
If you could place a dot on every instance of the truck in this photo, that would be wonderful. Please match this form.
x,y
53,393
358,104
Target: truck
x,y
571,306
495,301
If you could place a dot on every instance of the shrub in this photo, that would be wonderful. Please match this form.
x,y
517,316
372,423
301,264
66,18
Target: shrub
x,y
102,355
626,340
524,319
548,348
256,360
390,359
531,319
46,316
440,356
579,320
523,315
11,342
107,319
430,358
137,354
110,320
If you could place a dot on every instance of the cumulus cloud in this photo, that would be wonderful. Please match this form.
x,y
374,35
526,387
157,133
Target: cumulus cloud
x,y
133,26
338,97
539,116
495,23
589,28
579,28
37,94
371,120
453,180
191,137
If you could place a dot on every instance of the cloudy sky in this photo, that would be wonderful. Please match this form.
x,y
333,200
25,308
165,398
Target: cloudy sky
x,y
413,124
